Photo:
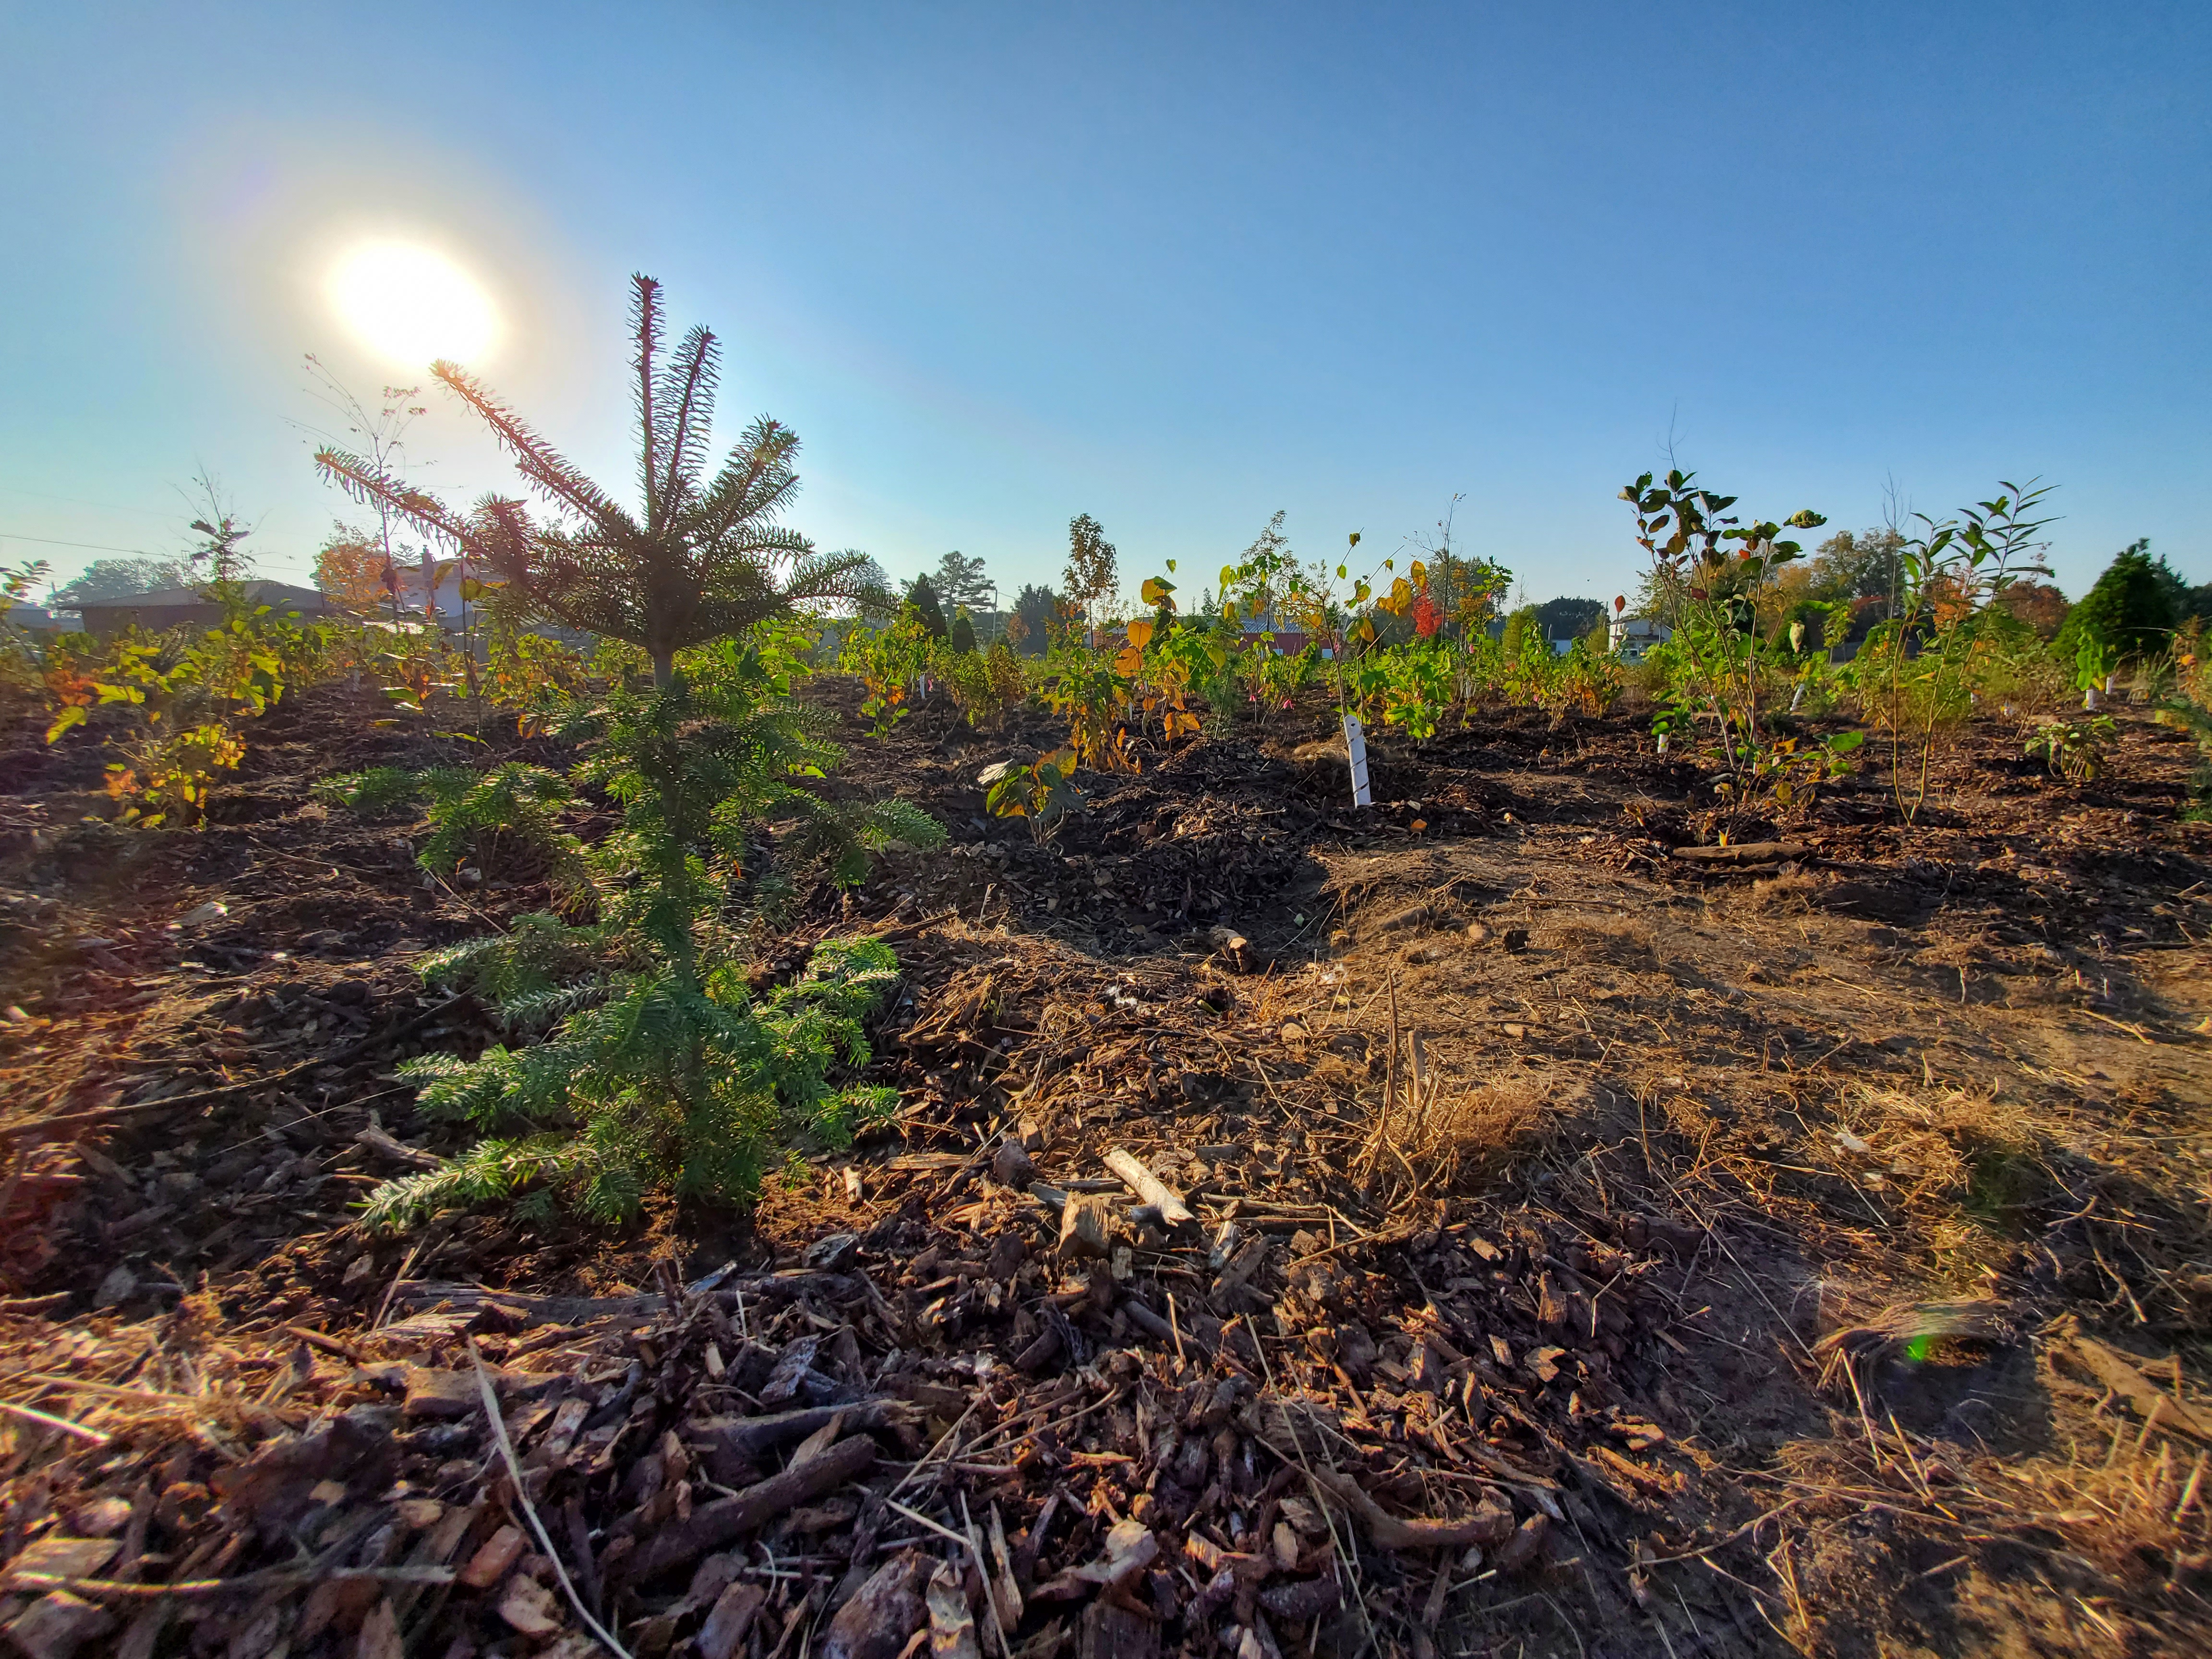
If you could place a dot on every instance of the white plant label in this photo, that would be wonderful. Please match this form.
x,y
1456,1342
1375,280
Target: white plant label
x,y
1355,747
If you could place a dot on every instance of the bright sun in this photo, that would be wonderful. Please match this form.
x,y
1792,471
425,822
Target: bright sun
x,y
412,305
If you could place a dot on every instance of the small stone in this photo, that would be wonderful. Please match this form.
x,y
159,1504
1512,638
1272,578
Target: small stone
x,y
1477,933
100,1518
527,1606
66,1558
120,1285
443,1395
1013,1166
56,1626
1521,1549
492,1559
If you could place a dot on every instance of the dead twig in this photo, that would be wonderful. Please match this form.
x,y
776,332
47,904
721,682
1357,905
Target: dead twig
x,y
530,1509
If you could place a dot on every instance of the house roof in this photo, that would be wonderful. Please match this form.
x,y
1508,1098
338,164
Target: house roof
x,y
164,599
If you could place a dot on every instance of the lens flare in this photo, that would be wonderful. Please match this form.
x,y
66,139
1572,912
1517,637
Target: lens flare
x,y
412,305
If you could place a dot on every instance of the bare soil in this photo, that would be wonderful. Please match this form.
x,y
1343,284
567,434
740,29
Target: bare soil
x,y
1809,1255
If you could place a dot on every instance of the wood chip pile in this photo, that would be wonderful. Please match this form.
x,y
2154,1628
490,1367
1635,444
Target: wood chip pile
x,y
1041,1405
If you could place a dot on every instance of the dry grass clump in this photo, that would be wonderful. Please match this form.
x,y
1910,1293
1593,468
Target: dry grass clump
x,y
1619,940
2116,1515
1440,1135
1790,894
1957,1144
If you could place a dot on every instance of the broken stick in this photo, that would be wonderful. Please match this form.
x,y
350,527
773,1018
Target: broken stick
x,y
1150,1188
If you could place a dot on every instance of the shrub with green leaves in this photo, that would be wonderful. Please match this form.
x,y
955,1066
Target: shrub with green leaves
x,y
2074,750
660,1069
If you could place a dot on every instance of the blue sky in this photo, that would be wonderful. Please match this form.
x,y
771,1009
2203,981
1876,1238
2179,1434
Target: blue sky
x,y
1176,267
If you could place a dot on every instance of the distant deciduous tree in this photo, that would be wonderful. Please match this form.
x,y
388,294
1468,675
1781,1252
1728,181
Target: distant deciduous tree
x,y
350,568
117,578
876,597
1093,573
2038,603
1862,565
1567,619
701,558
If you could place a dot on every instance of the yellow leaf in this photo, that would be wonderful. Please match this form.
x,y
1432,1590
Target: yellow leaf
x,y
1130,662
1140,631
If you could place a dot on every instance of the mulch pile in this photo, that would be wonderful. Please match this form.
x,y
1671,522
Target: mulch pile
x,y
1015,1414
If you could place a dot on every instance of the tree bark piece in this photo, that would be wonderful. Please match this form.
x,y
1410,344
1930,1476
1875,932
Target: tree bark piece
x,y
715,1524
882,1614
2145,1399
732,1616
1750,851
1082,1226
749,1437
1491,1524
1150,1188
951,1626
1113,1631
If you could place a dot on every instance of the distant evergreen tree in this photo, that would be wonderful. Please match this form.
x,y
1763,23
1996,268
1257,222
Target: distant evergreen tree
x,y
963,636
1035,610
922,596
2132,611
961,581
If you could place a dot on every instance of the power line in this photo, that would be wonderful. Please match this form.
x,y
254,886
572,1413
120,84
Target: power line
x,y
97,547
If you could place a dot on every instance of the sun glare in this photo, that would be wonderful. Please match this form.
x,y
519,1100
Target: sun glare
x,y
412,305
